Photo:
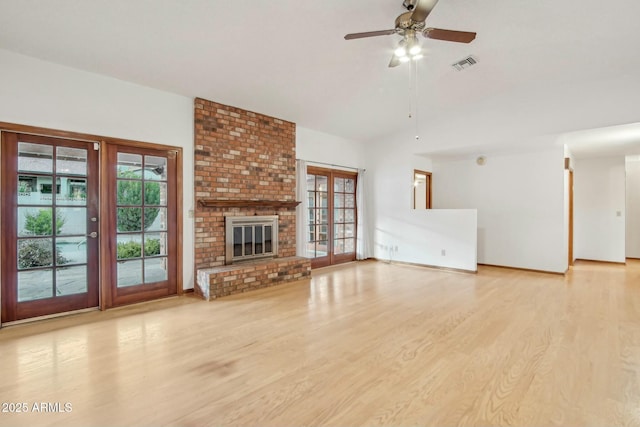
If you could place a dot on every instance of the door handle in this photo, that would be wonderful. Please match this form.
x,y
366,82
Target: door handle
x,y
93,234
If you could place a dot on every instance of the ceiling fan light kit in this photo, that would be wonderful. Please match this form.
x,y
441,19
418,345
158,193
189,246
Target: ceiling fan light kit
x,y
408,48
401,50
408,25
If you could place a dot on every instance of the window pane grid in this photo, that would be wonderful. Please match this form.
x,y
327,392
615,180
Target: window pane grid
x,y
141,211
51,212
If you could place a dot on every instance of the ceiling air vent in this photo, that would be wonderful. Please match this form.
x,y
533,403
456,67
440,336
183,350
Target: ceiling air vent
x,y
465,63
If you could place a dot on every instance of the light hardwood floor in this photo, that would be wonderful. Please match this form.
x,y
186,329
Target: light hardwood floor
x,y
362,344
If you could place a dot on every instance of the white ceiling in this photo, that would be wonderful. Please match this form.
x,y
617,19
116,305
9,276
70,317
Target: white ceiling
x,y
621,140
545,66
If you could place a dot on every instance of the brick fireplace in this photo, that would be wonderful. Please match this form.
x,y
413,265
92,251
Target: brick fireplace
x,y
244,166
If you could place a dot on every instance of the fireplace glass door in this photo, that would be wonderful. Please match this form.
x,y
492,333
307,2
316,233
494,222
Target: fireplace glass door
x,y
250,238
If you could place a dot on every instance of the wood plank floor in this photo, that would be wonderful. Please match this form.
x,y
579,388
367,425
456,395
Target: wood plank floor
x,y
362,344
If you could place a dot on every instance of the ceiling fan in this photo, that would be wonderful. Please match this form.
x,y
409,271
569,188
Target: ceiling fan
x,y
408,25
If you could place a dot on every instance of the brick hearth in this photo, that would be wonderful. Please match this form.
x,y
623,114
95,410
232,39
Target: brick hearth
x,y
244,156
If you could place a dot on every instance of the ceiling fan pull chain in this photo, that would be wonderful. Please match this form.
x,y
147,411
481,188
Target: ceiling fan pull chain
x,y
410,91
415,118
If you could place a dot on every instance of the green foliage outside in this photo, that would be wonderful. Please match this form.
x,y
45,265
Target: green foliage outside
x,y
130,193
134,249
23,187
41,224
152,247
38,253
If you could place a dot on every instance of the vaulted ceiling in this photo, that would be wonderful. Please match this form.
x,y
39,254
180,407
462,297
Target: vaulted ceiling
x,y
545,66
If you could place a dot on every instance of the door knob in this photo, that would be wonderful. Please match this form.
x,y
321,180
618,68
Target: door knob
x,y
93,234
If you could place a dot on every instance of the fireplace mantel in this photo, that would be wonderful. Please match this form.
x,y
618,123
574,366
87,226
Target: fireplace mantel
x,y
226,203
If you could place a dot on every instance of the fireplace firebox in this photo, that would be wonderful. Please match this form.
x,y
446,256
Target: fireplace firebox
x,y
250,237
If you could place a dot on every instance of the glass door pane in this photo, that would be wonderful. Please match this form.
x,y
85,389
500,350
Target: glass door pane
x,y
344,216
318,194
141,212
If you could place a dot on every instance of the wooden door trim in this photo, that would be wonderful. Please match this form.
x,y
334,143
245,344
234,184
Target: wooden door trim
x,y
179,224
106,188
571,178
7,215
86,137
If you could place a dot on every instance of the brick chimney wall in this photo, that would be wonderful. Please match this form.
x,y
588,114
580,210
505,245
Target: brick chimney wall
x,y
241,155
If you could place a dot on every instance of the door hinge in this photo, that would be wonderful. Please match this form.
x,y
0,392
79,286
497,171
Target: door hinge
x,y
96,146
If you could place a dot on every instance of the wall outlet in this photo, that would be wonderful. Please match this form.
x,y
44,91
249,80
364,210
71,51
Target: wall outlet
x,y
443,252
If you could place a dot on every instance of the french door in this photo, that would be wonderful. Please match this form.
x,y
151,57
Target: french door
x,y
86,224
49,226
141,228
331,213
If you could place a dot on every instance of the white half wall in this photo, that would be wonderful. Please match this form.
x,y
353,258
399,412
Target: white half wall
x,y
520,202
39,93
599,209
633,207
432,237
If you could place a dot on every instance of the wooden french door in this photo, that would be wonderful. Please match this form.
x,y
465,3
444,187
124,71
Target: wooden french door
x,y
50,226
332,216
141,226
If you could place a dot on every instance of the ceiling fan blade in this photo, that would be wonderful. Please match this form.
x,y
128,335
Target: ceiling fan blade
x,y
422,10
395,61
449,35
369,34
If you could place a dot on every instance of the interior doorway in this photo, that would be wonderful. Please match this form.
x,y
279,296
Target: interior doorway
x,y
421,189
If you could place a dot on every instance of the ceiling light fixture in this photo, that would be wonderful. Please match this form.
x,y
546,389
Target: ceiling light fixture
x,y
408,48
401,50
415,49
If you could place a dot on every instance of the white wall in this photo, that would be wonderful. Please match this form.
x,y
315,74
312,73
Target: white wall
x,y
599,209
315,146
418,235
39,93
520,203
633,207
